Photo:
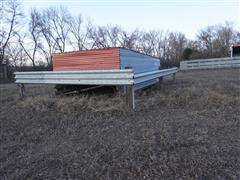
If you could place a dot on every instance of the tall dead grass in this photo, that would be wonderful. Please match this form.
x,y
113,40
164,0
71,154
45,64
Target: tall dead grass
x,y
196,95
73,104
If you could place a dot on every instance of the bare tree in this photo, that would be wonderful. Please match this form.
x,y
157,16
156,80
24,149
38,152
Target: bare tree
x,y
56,27
129,40
225,37
30,42
215,41
80,32
169,46
11,14
151,43
104,36
47,45
177,43
205,40
113,36
16,55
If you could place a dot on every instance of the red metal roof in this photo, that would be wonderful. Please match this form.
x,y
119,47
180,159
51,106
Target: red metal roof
x,y
237,45
97,59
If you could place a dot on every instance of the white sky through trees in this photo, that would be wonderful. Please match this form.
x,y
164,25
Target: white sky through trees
x,y
182,16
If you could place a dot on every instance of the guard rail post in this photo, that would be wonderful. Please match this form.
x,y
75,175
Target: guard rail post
x,y
22,90
130,94
174,77
130,97
160,79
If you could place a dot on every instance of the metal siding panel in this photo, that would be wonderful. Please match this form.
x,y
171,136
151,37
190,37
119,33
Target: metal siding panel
x,y
138,61
99,59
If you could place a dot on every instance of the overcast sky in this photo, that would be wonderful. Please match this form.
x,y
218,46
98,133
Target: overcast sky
x,y
187,16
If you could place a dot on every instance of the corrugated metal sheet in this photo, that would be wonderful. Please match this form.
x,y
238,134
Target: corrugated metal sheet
x,y
99,59
105,59
138,61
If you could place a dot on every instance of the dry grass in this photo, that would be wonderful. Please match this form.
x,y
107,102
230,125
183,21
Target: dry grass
x,y
188,129
74,104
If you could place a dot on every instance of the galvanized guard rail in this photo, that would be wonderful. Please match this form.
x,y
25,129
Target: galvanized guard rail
x,y
125,77
96,77
210,63
143,80
143,77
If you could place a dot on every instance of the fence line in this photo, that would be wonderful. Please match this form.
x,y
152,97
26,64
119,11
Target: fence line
x,y
210,63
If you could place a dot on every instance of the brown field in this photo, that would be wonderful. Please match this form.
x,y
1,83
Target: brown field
x,y
187,129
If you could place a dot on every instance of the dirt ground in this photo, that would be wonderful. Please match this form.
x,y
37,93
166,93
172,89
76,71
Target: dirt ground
x,y
187,129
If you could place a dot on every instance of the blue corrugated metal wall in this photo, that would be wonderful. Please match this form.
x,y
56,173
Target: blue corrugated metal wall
x,y
139,62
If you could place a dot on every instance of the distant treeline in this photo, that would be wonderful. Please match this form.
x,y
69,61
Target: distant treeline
x,y
36,36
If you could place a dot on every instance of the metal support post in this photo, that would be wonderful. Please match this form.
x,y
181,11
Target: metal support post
x,y
159,84
22,90
130,97
174,76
